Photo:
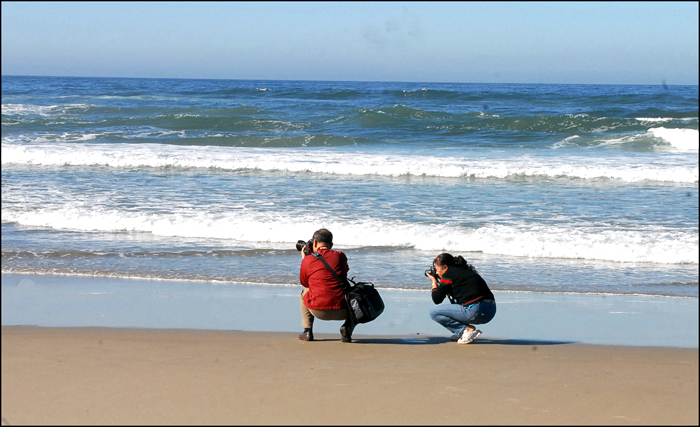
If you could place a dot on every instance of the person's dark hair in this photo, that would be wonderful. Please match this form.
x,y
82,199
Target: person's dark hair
x,y
324,236
446,259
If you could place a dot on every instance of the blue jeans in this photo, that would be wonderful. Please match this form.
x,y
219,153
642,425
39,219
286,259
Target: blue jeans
x,y
456,317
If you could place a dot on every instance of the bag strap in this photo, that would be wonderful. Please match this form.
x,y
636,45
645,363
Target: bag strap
x,y
345,285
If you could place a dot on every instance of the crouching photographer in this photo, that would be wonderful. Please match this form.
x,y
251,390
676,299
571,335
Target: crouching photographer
x,y
472,302
323,297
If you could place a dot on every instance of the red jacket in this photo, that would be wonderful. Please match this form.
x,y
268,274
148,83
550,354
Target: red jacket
x,y
324,291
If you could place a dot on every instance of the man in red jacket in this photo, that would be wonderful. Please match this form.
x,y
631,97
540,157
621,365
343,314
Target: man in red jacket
x,y
323,297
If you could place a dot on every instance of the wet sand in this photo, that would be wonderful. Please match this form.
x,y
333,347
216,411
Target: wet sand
x,y
67,301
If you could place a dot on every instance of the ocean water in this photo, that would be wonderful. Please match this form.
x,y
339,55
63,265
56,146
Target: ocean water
x,y
577,189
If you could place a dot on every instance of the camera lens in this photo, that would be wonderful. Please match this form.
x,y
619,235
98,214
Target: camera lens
x,y
300,245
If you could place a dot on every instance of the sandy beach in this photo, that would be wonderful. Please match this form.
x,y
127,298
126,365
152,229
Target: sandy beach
x,y
114,351
146,376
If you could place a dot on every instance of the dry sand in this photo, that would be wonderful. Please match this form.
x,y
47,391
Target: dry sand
x,y
146,376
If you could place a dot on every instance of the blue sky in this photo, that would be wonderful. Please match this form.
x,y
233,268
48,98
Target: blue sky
x,y
476,42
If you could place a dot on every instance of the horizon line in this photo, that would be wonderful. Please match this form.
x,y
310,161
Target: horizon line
x,y
662,83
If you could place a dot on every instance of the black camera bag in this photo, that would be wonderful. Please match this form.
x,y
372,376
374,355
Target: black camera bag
x,y
364,302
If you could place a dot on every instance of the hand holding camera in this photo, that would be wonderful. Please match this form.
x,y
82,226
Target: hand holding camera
x,y
432,272
433,276
306,247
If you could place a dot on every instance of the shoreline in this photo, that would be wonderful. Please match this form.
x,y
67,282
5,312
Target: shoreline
x,y
89,375
295,286
73,301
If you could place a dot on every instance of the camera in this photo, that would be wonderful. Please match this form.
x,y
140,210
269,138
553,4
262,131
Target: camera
x,y
431,272
307,247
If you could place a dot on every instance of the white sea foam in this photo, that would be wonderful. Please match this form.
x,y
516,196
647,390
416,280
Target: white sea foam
x,y
681,139
654,119
331,162
41,110
571,138
278,230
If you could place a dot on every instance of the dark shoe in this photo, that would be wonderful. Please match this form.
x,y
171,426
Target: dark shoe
x,y
346,331
306,336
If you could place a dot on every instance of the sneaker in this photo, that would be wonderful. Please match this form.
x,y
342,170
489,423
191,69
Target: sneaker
x,y
469,336
456,337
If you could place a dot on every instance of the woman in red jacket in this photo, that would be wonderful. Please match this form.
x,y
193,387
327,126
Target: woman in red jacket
x,y
323,297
